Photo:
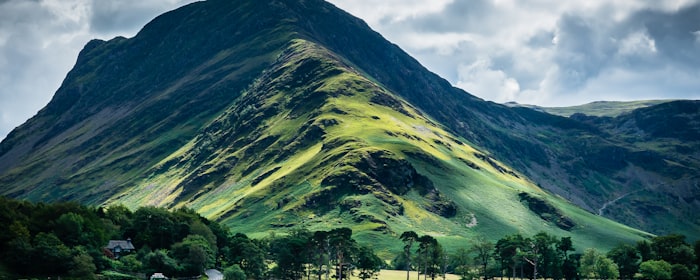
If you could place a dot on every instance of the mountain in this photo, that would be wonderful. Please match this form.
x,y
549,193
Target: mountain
x,y
598,108
270,115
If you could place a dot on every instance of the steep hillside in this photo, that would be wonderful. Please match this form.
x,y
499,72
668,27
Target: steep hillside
x,y
270,115
562,155
663,142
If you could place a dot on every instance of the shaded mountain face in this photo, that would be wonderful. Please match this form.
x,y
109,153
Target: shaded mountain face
x,y
655,165
269,115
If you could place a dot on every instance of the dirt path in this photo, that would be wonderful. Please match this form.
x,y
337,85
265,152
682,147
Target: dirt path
x,y
605,205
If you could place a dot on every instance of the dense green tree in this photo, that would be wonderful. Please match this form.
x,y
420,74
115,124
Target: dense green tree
x,y
462,262
197,227
67,239
425,243
627,260
82,265
160,261
531,254
289,253
430,255
408,238
644,250
18,251
507,249
483,254
589,259
234,272
571,266
119,215
564,246
343,246
50,256
153,227
367,263
681,272
605,268
194,254
565,267
247,255
130,263
548,258
320,245
673,249
696,249
439,259
69,227
655,270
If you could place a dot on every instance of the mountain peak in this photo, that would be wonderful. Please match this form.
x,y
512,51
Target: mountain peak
x,y
268,114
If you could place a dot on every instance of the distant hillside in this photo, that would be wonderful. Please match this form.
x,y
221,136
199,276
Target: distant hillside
x,y
598,108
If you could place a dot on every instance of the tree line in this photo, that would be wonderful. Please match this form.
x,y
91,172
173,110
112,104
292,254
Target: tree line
x,y
543,256
68,240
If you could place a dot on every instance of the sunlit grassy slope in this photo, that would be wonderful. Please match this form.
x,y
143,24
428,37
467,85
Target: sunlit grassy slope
x,y
275,115
314,144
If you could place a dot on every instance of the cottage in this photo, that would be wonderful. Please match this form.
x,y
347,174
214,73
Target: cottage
x,y
120,247
158,275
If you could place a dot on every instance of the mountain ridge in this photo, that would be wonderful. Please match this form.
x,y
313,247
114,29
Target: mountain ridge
x,y
269,110
597,108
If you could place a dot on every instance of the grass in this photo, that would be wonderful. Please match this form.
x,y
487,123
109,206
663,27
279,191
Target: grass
x,y
401,275
604,108
277,202
259,166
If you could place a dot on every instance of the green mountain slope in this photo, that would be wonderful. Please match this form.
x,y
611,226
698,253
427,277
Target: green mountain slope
x,y
598,108
269,115
662,140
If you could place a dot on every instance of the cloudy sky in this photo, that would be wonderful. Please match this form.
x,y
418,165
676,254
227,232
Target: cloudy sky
x,y
544,52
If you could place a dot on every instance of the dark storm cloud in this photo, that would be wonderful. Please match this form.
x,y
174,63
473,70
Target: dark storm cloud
x,y
40,41
118,16
559,53
646,40
458,16
674,33
26,58
581,50
542,39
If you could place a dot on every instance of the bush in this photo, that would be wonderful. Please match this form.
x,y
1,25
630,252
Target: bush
x,y
679,271
234,272
113,275
655,270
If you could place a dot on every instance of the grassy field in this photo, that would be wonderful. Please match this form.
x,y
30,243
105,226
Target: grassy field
x,y
401,275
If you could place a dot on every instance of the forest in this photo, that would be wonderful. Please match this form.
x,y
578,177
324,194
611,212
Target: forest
x,y
69,240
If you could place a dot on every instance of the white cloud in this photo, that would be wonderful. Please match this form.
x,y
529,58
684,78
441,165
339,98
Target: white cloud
x,y
544,52
40,42
493,84
441,43
374,12
637,43
625,84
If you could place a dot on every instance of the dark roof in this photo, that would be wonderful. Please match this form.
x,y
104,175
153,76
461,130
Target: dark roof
x,y
124,244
